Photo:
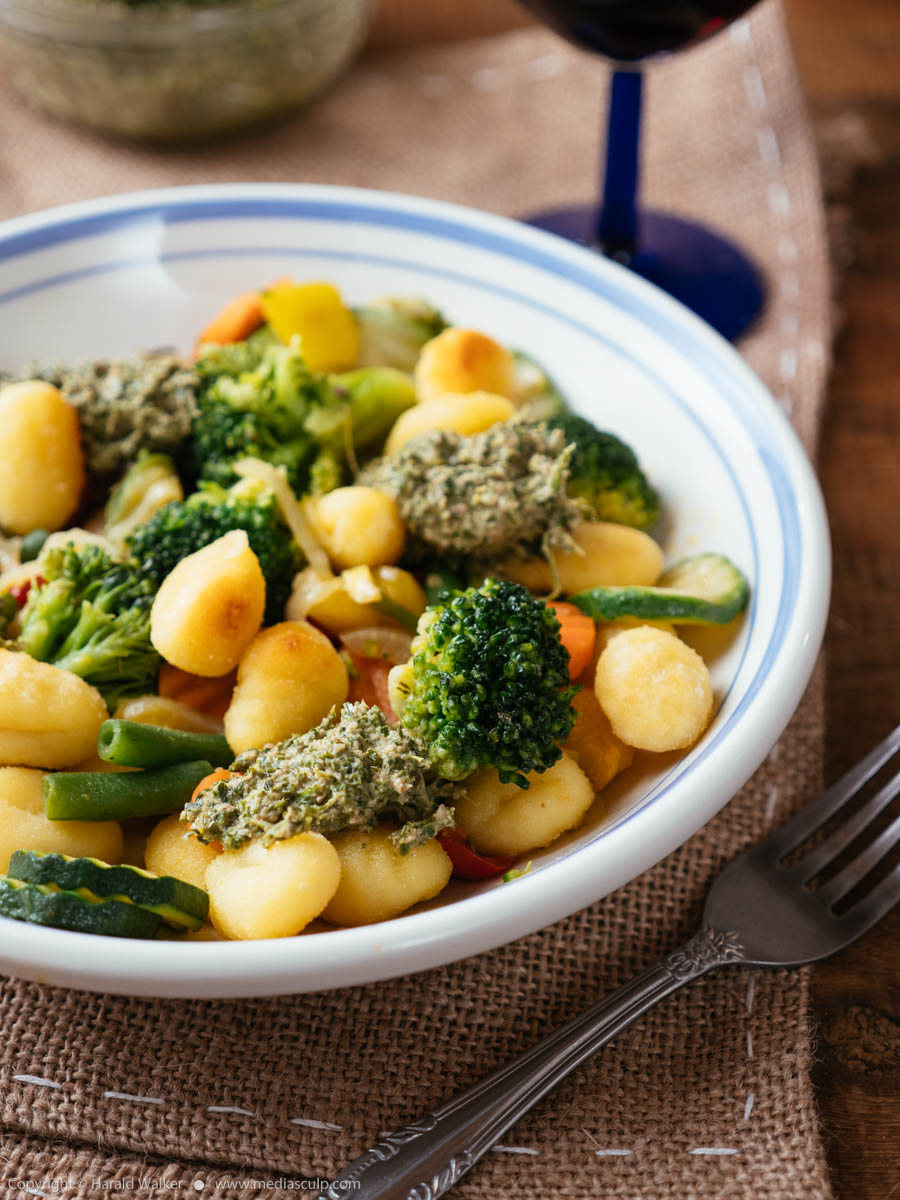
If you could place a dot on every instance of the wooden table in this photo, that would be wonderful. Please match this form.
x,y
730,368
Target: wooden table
x,y
849,59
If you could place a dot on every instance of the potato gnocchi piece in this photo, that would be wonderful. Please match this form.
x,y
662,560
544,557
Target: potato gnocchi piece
x,y
607,630
23,825
458,412
654,688
592,743
358,526
378,882
464,360
48,717
170,850
271,892
289,678
43,464
209,607
609,555
502,818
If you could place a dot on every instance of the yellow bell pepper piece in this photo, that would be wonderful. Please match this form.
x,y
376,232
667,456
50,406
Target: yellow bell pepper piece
x,y
327,328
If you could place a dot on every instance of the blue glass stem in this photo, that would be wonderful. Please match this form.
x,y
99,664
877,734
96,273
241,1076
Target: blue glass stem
x,y
617,222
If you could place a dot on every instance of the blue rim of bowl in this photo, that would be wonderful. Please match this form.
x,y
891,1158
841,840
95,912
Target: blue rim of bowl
x,y
534,250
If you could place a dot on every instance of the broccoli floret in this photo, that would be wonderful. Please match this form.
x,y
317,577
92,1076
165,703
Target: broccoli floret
x,y
488,684
605,474
255,400
179,529
91,616
258,399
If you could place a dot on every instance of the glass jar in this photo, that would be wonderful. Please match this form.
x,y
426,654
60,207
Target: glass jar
x,y
174,70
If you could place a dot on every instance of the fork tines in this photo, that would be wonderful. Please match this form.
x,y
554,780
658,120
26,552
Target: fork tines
x,y
807,823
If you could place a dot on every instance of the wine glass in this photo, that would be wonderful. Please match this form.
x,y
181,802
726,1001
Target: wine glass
x,y
700,268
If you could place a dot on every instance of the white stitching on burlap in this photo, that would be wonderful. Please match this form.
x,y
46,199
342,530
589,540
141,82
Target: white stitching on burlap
x,y
133,1099
313,1124
37,1080
771,804
714,1150
781,207
229,1108
515,1149
788,252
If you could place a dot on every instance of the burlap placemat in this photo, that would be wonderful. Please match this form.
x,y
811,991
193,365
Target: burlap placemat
x,y
709,1096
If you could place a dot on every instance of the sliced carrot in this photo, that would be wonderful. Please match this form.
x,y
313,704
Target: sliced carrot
x,y
240,317
210,695
577,633
208,780
237,320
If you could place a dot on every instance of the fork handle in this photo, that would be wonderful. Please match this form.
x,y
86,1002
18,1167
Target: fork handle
x,y
424,1160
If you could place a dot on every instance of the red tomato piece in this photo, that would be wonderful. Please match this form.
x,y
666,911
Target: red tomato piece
x,y
468,863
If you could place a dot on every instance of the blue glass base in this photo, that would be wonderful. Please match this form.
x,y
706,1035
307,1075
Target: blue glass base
x,y
690,262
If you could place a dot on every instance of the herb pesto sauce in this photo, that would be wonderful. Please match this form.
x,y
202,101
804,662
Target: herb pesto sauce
x,y
146,401
482,498
350,772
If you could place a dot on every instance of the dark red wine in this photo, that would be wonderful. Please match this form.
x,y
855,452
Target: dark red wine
x,y
628,30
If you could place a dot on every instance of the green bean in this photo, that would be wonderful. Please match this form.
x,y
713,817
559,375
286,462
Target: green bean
x,y
32,545
133,744
105,796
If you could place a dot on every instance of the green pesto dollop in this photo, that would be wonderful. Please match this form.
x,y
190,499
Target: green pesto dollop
x,y
144,402
350,772
475,500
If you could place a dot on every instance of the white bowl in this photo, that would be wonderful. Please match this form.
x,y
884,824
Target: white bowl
x,y
111,276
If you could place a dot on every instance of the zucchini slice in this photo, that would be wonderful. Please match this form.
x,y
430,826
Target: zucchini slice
x,y
705,590
177,903
45,904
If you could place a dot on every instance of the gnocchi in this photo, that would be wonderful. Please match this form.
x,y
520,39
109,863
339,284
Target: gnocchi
x,y
43,464
271,892
607,555
464,360
378,882
48,717
465,413
171,850
23,825
655,690
209,607
358,526
289,678
502,818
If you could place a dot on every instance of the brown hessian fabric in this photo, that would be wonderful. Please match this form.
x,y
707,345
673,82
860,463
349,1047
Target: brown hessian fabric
x,y
709,1096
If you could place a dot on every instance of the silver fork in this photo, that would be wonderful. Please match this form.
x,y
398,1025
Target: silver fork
x,y
760,912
